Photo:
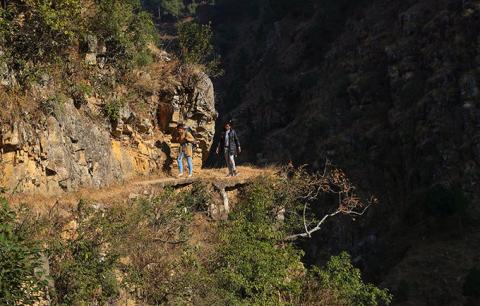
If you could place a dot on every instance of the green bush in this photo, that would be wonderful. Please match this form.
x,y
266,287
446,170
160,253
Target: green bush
x,y
148,248
172,7
54,105
196,47
79,92
4,25
165,7
198,199
125,28
82,265
142,59
163,266
111,110
21,280
40,30
253,267
344,285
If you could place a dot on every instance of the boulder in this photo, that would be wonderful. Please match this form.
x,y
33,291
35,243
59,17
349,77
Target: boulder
x,y
194,106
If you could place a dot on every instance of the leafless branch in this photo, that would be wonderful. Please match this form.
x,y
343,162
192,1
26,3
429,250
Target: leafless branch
x,y
305,219
307,189
308,233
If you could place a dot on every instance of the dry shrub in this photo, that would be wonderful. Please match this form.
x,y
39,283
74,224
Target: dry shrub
x,y
157,77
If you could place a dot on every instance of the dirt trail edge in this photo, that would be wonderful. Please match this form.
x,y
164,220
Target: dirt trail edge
x,y
145,187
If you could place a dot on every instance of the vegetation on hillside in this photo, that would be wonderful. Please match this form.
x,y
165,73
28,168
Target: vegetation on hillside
x,y
196,47
33,32
21,280
153,251
174,9
55,52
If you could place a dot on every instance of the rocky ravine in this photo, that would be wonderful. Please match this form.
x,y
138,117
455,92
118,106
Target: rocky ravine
x,y
393,91
387,90
391,94
66,146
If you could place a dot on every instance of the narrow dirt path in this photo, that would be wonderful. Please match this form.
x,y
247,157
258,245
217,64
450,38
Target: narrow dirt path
x,y
143,186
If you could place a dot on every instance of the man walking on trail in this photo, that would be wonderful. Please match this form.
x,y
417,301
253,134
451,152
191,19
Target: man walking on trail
x,y
230,145
186,140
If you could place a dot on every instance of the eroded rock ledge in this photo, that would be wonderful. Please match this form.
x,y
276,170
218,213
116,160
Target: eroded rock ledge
x,y
72,146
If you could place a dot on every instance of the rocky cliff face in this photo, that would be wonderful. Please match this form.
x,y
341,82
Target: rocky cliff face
x,y
387,90
391,93
397,86
87,140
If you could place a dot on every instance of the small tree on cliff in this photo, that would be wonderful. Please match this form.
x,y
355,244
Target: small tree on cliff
x,y
126,29
196,47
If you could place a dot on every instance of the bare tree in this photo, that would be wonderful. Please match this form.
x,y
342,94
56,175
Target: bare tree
x,y
305,189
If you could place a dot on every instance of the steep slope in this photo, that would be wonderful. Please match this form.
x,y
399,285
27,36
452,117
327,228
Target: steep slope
x,y
401,74
88,99
64,146
387,90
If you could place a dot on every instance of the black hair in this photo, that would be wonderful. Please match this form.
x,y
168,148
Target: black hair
x,y
229,122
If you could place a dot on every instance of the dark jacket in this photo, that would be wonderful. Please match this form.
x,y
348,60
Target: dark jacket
x,y
234,143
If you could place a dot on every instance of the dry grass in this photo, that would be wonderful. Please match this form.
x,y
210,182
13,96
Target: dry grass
x,y
14,103
157,77
119,193
244,172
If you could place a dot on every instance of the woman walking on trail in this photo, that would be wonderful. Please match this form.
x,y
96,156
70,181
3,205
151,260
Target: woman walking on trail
x,y
186,140
230,145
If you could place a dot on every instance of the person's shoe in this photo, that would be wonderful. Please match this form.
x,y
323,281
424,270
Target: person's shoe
x,y
229,175
190,175
180,175
235,173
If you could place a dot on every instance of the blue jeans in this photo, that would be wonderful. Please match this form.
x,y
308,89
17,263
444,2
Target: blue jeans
x,y
180,163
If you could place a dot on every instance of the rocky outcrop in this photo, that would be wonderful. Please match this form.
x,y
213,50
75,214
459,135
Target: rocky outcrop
x,y
71,145
193,105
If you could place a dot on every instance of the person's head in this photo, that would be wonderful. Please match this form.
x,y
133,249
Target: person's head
x,y
181,128
227,126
